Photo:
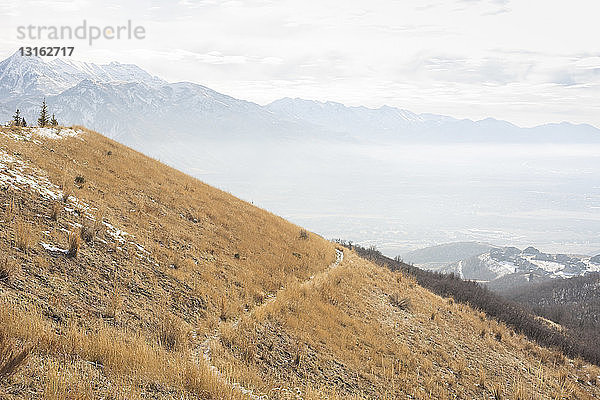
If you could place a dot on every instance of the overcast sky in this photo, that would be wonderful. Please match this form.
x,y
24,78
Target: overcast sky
x,y
526,61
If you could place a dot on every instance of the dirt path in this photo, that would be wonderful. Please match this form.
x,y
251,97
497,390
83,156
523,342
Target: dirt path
x,y
204,349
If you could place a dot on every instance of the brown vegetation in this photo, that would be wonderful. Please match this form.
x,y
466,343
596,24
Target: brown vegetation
x,y
8,268
158,266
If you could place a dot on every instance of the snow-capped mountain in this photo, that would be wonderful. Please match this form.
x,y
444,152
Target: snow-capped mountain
x,y
503,267
126,101
112,72
389,124
337,117
143,115
297,156
33,76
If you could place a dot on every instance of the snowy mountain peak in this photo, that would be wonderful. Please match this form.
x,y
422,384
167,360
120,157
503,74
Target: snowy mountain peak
x,y
337,117
112,72
23,75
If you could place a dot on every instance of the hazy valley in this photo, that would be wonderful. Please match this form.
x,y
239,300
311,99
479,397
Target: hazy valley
x,y
386,177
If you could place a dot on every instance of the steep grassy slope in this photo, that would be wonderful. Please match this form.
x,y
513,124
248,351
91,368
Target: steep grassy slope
x,y
372,333
129,280
166,257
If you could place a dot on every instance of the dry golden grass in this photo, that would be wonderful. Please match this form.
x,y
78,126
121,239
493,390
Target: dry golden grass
x,y
24,235
164,261
128,302
11,209
403,303
121,356
12,358
8,268
74,241
56,209
173,333
348,328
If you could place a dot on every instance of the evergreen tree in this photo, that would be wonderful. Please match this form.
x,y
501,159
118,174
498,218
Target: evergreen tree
x,y
23,122
53,121
43,119
17,118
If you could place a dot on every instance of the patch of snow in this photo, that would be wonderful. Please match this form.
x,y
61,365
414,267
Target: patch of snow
x,y
56,133
459,270
53,249
17,173
500,268
549,266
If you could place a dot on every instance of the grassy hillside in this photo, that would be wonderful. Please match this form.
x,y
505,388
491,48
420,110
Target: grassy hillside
x,y
161,256
121,278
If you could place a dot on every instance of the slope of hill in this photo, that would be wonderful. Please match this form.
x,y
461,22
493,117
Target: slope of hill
x,y
280,156
129,279
162,255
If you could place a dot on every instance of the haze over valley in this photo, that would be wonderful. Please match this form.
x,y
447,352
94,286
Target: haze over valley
x,y
385,177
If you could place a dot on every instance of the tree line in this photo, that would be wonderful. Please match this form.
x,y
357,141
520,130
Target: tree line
x,y
573,303
43,120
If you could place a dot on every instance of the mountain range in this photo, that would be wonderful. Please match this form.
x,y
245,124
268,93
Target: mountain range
x,y
502,268
127,103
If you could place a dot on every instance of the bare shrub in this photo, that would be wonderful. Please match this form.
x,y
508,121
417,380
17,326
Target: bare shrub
x,y
88,230
11,210
8,267
497,392
115,302
55,211
172,334
11,359
79,180
403,303
303,234
298,356
67,190
224,310
65,195
481,379
74,243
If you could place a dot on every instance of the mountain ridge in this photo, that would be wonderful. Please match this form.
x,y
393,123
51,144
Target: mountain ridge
x,y
502,268
25,80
